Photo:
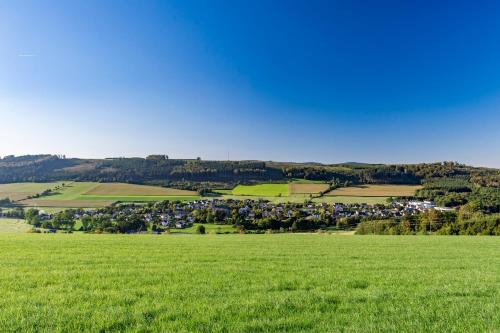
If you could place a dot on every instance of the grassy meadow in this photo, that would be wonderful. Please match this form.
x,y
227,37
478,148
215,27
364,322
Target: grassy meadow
x,y
249,283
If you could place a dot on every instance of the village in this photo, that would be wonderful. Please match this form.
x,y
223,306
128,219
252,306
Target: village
x,y
246,214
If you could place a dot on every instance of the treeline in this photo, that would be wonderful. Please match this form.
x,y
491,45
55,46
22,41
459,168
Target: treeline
x,y
434,222
160,168
454,192
64,220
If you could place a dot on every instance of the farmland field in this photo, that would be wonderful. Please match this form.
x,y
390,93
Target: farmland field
x,y
297,188
249,283
300,198
121,189
264,190
375,191
89,194
352,200
297,198
300,190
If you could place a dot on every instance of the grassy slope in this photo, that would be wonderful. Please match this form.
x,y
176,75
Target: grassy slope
x,y
249,283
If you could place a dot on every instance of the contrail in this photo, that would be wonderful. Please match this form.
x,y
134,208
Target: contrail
x,y
27,55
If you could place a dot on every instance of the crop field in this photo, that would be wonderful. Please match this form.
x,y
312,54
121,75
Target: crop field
x,y
376,191
19,191
249,283
121,189
89,195
297,198
263,190
314,188
300,198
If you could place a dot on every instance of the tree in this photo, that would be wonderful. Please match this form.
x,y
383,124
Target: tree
x,y
86,220
200,229
32,217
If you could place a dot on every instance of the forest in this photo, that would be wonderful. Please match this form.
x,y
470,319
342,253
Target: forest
x,y
189,173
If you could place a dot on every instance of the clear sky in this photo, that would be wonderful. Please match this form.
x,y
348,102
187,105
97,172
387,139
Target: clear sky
x,y
328,81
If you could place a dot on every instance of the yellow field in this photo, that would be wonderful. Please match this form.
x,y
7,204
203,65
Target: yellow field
x,y
121,189
297,188
376,191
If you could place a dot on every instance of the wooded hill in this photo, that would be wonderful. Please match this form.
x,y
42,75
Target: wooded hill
x,y
161,170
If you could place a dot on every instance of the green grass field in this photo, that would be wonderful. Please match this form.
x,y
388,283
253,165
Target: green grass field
x,y
249,283
262,190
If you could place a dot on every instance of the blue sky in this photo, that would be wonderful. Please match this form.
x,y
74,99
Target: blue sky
x,y
328,81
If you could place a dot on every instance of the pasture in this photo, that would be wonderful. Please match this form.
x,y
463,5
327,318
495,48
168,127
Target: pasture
x,y
375,191
249,283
